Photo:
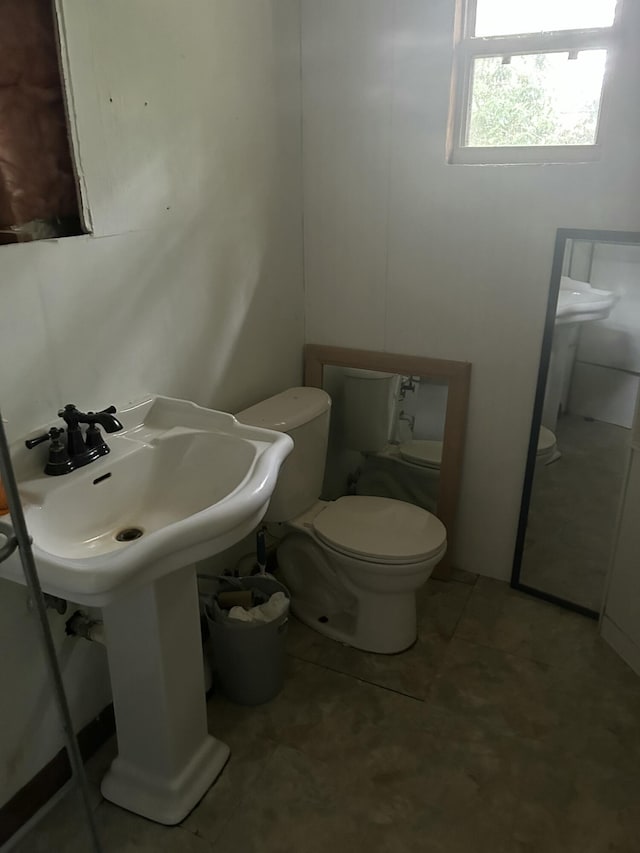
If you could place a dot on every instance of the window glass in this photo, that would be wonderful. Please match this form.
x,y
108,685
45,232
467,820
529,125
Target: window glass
x,y
536,99
508,17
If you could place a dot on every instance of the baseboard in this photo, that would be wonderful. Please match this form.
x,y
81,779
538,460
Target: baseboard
x,y
620,642
45,784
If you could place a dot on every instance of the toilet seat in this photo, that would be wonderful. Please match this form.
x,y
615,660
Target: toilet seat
x,y
422,452
547,448
380,530
546,441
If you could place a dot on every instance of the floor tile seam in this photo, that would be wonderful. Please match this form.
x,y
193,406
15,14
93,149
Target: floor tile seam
x,y
461,615
201,838
469,586
440,668
239,799
146,821
463,612
210,844
358,678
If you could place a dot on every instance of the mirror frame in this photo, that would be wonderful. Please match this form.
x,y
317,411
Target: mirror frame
x,y
458,376
562,236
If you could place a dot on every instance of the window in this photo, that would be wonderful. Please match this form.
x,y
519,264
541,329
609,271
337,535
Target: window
x,y
529,78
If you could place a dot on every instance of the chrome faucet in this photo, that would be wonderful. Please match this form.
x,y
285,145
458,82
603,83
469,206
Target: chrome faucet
x,y
80,449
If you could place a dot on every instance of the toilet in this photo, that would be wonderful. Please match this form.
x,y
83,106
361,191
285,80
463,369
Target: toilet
x,y
547,449
352,565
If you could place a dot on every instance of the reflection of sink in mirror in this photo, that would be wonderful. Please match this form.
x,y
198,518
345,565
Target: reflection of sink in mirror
x,y
589,398
386,436
579,302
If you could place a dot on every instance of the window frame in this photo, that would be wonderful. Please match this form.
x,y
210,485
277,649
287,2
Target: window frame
x,y
469,47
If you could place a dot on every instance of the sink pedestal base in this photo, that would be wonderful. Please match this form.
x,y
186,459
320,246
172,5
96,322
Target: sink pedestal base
x,y
166,758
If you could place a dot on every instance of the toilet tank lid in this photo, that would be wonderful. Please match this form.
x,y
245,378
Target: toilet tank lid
x,y
360,373
287,410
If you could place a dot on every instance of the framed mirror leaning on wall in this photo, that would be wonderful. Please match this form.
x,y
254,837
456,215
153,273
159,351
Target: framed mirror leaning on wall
x,y
581,424
397,428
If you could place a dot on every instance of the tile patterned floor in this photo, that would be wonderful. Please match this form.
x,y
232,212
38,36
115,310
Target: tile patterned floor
x,y
508,728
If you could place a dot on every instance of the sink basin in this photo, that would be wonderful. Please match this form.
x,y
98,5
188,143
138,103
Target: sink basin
x,y
180,484
578,302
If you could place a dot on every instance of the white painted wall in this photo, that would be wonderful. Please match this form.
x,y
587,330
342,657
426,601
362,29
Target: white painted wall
x,y
615,341
188,134
406,253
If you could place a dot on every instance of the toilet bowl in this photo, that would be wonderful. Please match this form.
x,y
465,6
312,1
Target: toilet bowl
x,y
547,449
421,452
352,565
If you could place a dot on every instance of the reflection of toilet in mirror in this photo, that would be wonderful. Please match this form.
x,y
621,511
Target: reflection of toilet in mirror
x,y
586,395
547,449
379,424
352,565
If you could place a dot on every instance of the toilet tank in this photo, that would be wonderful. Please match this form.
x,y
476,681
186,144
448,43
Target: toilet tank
x,y
369,409
303,413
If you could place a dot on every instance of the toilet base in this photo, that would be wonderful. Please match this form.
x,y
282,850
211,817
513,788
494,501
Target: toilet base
x,y
385,626
337,627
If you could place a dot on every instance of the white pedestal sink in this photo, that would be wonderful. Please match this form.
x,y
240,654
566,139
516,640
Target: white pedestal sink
x,y
578,302
192,482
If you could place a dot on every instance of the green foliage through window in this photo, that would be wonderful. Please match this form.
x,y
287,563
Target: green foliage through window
x,y
538,99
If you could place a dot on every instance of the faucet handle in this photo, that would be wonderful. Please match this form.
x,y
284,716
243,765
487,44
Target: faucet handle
x,y
72,415
94,417
53,434
59,462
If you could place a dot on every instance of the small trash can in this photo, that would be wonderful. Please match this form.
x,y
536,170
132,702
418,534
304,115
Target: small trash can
x,y
248,656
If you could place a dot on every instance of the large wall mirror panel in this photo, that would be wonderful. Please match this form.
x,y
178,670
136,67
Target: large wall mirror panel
x,y
397,428
581,424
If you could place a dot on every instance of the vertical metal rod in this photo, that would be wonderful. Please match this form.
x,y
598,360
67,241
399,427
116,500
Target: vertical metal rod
x,y
33,582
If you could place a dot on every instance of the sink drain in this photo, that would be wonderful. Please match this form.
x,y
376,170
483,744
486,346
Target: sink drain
x,y
129,534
